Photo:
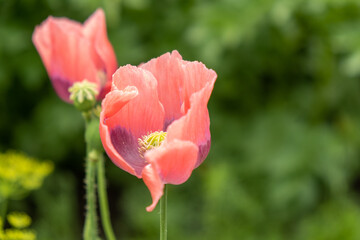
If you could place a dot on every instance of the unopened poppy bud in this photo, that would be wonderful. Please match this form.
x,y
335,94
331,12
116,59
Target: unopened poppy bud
x,y
83,94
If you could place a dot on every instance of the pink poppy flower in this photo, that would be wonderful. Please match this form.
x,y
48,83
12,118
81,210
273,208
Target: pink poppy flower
x,y
155,123
73,52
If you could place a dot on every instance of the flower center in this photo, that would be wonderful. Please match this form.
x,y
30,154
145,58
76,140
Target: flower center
x,y
150,141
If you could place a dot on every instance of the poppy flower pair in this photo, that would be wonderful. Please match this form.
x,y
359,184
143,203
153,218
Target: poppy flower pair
x,y
154,122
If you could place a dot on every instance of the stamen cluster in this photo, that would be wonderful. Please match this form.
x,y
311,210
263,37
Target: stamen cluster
x,y
150,141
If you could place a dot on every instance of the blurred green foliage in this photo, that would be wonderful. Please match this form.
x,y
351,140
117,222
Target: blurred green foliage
x,y
285,116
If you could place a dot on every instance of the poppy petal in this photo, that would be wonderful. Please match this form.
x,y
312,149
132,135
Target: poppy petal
x,y
140,116
116,99
196,77
113,101
154,183
195,125
171,163
174,160
144,114
169,72
42,41
70,58
95,29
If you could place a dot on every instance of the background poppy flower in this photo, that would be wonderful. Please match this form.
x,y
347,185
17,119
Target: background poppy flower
x,y
73,52
165,98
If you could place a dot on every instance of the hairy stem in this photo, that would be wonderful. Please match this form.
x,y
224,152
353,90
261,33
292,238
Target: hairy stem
x,y
90,226
103,200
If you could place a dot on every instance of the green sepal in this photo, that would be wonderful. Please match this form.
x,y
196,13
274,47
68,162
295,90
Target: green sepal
x,y
92,135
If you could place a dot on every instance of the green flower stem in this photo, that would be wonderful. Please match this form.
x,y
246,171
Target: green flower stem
x,y
163,215
103,200
90,226
96,173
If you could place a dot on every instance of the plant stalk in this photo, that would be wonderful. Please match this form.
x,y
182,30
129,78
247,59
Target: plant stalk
x,y
163,215
103,200
90,226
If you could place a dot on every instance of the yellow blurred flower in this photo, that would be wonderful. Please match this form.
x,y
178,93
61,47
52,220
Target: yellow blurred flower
x,y
17,234
19,231
19,219
20,174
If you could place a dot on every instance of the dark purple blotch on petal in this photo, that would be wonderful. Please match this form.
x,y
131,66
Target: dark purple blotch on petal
x,y
61,87
127,146
167,122
203,152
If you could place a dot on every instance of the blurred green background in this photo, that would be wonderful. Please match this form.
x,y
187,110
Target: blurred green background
x,y
285,115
